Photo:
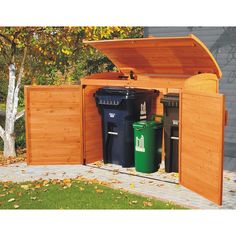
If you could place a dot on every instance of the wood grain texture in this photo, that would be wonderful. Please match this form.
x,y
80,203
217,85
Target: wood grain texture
x,y
53,124
92,127
148,82
202,82
170,56
201,143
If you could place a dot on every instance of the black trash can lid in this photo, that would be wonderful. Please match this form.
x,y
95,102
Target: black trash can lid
x,y
123,91
170,100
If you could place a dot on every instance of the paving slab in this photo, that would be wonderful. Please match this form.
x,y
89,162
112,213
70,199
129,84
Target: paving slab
x,y
160,185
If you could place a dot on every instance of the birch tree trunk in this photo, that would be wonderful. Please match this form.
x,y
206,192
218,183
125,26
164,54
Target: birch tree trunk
x,y
8,135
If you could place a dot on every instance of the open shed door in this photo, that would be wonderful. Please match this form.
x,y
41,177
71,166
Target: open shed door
x,y
202,119
53,124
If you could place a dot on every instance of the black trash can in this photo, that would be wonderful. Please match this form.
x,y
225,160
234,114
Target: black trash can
x,y
171,131
120,107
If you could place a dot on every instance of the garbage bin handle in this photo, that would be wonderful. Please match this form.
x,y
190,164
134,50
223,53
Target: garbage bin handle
x,y
154,116
138,129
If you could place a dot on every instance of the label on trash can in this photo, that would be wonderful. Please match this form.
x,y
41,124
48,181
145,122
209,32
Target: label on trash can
x,y
112,115
140,144
143,111
175,122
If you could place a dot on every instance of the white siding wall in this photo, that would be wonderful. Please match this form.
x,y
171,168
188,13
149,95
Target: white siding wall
x,y
222,43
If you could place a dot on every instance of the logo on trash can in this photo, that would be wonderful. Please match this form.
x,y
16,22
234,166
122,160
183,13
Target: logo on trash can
x,y
143,111
112,115
140,144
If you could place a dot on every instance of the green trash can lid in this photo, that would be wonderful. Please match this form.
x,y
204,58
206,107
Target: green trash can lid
x,y
147,124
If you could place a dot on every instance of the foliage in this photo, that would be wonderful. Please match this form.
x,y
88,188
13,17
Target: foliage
x,y
57,54
73,194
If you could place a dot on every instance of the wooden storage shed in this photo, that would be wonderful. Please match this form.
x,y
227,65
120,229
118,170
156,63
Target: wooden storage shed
x,y
63,125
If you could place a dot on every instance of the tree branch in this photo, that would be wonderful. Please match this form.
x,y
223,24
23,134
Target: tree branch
x,y
16,92
1,132
20,114
5,37
22,67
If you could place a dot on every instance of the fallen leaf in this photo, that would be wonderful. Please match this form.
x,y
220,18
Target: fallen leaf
x,y
45,183
99,191
2,195
37,186
147,203
16,206
67,181
11,200
81,189
132,185
68,185
25,187
33,198
175,174
98,163
134,202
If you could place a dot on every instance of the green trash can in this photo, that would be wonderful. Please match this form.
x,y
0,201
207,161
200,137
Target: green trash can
x,y
148,145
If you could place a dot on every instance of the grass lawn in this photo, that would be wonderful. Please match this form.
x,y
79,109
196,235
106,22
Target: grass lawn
x,y
73,194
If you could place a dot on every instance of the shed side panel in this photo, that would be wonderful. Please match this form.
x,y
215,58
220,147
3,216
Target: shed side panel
x,y
92,127
53,125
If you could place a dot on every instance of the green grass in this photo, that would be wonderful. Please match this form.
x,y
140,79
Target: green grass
x,y
73,194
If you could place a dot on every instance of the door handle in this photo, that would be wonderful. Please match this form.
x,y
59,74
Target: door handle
x,y
113,133
175,138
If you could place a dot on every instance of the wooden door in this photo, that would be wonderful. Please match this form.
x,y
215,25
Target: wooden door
x,y
92,127
53,124
202,119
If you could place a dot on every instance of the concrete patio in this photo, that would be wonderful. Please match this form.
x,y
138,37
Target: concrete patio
x,y
158,185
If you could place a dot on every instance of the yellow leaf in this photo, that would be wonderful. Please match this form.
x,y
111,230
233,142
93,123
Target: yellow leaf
x,y
25,187
134,202
11,200
33,198
45,183
81,189
16,206
147,203
132,185
38,186
99,191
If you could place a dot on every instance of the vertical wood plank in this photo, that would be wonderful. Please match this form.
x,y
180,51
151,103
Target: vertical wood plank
x,y
54,124
202,143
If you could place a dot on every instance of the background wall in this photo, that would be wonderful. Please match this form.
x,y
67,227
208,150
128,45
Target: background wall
x,y
222,43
